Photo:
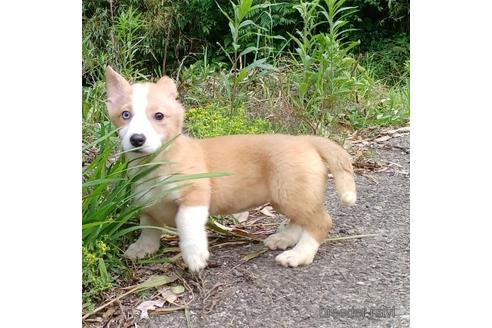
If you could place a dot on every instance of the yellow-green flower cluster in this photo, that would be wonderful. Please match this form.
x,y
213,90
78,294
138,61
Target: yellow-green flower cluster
x,y
211,121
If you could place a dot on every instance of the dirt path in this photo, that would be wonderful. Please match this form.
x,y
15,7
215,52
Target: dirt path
x,y
350,275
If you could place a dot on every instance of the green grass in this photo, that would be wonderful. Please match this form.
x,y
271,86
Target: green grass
x,y
103,210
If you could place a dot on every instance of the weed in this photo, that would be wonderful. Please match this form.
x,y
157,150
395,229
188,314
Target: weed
x,y
214,121
383,106
324,73
241,29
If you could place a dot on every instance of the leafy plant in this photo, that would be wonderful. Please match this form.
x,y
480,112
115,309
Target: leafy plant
x,y
171,32
97,263
240,30
214,121
326,75
384,106
122,40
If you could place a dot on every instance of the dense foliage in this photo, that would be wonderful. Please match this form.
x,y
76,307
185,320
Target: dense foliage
x,y
162,34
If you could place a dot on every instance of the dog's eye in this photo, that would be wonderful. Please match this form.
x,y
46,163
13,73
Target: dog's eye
x,y
126,115
158,116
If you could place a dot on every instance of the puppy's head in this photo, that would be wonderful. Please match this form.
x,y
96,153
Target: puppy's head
x,y
147,114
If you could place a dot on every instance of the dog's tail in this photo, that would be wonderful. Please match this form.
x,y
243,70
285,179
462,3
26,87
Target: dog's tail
x,y
340,165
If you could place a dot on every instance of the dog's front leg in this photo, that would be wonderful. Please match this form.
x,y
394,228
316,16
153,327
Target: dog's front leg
x,y
193,243
148,242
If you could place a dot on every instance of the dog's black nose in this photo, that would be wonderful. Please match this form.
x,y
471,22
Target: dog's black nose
x,y
137,139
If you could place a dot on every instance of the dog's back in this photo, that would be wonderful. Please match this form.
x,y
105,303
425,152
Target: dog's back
x,y
268,168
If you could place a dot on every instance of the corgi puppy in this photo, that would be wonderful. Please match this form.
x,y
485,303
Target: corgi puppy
x,y
289,172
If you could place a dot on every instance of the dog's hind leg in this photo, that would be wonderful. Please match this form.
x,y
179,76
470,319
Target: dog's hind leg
x,y
284,237
297,191
148,242
314,230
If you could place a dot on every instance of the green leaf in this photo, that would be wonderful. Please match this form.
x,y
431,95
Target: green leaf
x,y
245,23
85,110
156,281
248,50
303,88
260,63
244,8
223,12
98,141
140,227
233,30
242,75
100,181
103,271
277,37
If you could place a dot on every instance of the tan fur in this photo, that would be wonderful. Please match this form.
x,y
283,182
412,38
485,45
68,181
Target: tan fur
x,y
290,172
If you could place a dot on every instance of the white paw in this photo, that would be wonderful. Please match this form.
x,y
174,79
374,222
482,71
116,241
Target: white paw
x,y
195,256
140,249
280,240
294,258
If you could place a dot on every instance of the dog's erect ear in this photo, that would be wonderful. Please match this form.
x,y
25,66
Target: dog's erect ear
x,y
168,86
116,86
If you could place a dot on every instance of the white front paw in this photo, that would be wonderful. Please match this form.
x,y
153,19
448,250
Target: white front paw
x,y
195,256
140,249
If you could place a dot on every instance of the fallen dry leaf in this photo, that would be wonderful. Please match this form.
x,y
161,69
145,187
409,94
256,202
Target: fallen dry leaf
x,y
168,295
241,217
179,289
109,313
145,306
267,210
225,230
